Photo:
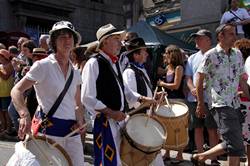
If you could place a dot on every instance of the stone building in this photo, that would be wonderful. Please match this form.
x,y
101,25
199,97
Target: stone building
x,y
35,17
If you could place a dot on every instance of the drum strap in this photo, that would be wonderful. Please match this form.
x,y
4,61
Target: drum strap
x,y
130,141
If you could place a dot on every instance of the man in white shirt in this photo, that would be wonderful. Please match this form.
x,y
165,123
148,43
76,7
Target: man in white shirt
x,y
103,94
203,40
236,16
135,77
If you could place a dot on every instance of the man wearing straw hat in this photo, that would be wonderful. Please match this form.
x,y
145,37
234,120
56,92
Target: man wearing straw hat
x,y
135,77
49,77
103,92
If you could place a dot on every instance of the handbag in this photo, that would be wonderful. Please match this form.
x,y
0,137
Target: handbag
x,y
40,119
245,27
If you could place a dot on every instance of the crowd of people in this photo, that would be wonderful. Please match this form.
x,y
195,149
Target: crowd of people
x,y
61,80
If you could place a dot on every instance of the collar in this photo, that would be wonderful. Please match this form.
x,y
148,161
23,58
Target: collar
x,y
113,58
221,50
140,66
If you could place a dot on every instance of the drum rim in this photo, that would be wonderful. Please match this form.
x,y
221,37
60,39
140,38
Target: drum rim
x,y
149,148
177,102
61,149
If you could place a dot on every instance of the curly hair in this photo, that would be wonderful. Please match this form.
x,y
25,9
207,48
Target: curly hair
x,y
244,46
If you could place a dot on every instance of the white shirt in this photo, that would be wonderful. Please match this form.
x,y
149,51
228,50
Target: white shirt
x,y
191,68
247,69
50,82
241,13
129,80
88,92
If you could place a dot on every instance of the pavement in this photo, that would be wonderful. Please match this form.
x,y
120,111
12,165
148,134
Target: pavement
x,y
7,149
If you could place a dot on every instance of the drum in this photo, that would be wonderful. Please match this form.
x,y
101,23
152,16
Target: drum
x,y
46,154
175,120
142,140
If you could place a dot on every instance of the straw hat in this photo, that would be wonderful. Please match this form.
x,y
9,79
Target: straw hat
x,y
106,31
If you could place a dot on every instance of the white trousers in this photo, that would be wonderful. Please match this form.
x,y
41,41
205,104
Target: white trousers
x,y
73,146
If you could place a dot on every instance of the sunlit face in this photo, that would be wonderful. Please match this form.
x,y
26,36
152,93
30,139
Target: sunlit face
x,y
202,42
65,42
113,44
26,52
228,36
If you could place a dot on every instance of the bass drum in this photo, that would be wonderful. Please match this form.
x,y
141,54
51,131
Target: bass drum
x,y
46,154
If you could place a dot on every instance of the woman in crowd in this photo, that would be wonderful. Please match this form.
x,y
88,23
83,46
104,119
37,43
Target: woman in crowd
x,y
79,58
173,80
49,77
6,84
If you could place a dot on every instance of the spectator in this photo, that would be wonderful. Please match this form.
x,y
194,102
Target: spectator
x,y
236,16
44,42
13,51
222,69
2,46
203,40
6,84
244,46
79,58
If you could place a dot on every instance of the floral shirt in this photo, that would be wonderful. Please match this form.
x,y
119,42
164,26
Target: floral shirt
x,y
223,73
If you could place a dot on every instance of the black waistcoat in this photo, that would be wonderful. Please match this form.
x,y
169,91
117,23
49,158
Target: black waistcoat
x,y
107,87
140,82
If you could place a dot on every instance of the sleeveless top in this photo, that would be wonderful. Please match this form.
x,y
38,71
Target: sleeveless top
x,y
173,94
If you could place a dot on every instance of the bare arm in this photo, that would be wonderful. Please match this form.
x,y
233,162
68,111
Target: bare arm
x,y
18,101
190,85
79,110
244,86
199,91
177,80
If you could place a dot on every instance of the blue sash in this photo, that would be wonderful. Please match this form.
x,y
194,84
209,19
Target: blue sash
x,y
104,146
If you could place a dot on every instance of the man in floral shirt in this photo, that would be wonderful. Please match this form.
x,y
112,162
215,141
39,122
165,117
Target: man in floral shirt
x,y
222,70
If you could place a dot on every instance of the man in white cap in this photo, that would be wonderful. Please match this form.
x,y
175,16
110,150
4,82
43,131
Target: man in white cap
x,y
52,77
103,94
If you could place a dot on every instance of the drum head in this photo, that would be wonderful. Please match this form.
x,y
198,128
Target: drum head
x,y
55,156
151,134
177,109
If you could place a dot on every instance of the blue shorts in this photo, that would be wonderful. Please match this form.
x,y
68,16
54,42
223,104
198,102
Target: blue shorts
x,y
4,103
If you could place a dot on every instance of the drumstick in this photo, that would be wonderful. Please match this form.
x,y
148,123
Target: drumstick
x,y
151,107
40,149
166,98
138,109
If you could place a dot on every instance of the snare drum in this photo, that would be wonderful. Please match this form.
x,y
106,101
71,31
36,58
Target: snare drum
x,y
175,120
141,142
46,154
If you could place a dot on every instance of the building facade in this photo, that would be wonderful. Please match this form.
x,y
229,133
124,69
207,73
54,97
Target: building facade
x,y
35,17
181,18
